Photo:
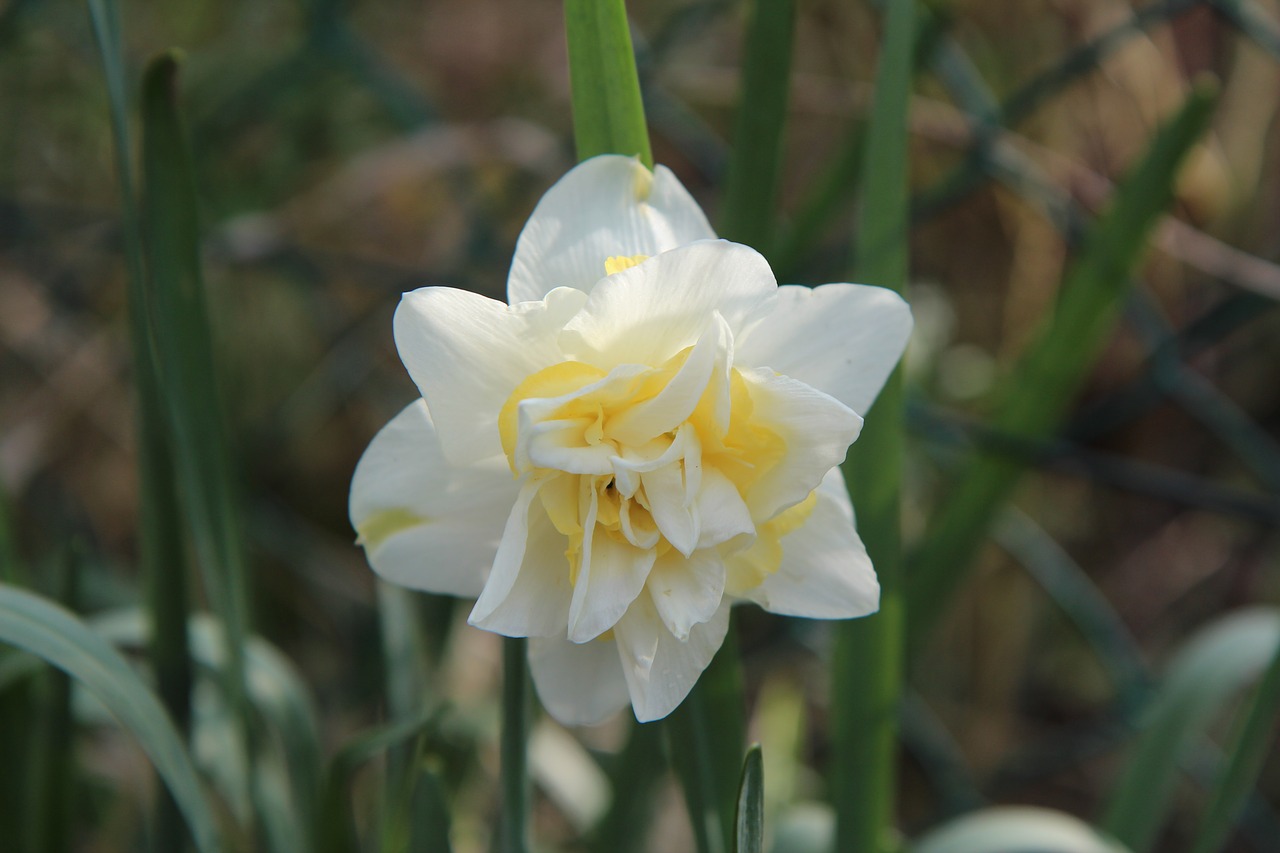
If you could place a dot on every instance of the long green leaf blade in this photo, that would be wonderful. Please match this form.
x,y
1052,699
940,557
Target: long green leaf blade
x,y
1210,670
1044,382
608,114
749,823
54,634
867,667
162,550
1246,756
178,326
747,210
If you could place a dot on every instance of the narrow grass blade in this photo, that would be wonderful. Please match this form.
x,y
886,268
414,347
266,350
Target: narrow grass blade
x,y
748,836
283,707
1246,755
52,633
9,570
336,831
747,209
706,736
429,816
1044,382
1209,671
53,770
178,326
1079,599
162,550
608,114
1016,828
514,765
867,666
637,770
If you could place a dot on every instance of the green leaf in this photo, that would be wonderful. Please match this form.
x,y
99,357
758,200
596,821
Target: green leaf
x,y
1208,672
53,736
705,741
1042,385
57,636
748,836
1079,599
608,114
637,770
1016,828
1246,755
867,665
336,833
178,328
162,550
754,160
291,757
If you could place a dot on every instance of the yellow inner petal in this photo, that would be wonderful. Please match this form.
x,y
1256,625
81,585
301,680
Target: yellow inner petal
x,y
382,525
750,567
618,263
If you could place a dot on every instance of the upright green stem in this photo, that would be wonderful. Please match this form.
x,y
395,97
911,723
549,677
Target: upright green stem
x,y
608,114
162,551
514,747
747,212
868,661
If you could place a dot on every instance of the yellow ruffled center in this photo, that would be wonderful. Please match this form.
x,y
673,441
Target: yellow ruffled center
x,y
571,425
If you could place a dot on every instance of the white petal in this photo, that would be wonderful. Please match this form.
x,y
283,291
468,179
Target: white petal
x,y
661,670
816,428
611,576
580,684
510,555
538,603
606,206
722,514
673,405
648,313
687,592
825,572
424,523
843,339
467,353
669,504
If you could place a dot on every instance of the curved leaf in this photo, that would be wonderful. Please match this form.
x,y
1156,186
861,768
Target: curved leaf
x,y
1013,829
51,632
1209,671
287,799
749,831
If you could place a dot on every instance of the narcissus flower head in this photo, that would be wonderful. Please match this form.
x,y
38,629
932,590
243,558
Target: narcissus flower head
x,y
647,433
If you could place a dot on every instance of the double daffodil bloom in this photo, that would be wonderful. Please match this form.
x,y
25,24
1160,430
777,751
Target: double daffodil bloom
x,y
648,433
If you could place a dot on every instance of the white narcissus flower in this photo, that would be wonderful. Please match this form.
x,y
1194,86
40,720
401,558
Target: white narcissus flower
x,y
648,433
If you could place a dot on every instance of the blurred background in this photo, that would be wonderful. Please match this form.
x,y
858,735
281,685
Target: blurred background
x,y
349,151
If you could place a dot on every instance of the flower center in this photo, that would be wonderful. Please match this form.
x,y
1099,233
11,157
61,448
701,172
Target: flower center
x,y
648,458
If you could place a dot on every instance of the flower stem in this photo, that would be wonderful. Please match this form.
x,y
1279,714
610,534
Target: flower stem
x,y
868,662
514,749
608,114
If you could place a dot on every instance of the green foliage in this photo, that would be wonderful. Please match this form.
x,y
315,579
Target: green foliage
x,y
1016,828
1245,757
1049,374
608,114
748,835
55,635
747,211
1210,670
705,737
867,666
